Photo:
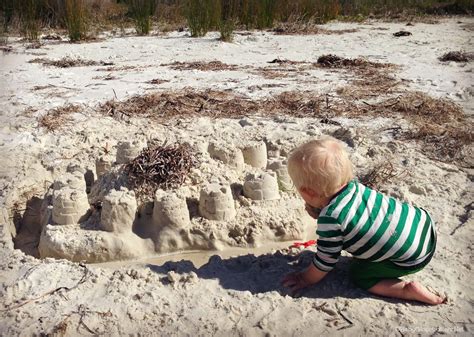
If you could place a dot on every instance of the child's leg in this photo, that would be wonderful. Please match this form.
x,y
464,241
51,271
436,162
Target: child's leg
x,y
405,290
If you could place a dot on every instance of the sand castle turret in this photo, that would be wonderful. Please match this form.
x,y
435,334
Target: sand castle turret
x,y
273,149
262,186
216,202
126,151
170,210
70,206
118,211
255,154
103,165
228,155
74,180
280,167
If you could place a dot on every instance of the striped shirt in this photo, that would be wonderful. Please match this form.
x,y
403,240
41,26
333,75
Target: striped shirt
x,y
372,227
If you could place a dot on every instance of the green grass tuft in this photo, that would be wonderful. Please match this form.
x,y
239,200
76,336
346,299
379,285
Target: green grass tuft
x,y
76,19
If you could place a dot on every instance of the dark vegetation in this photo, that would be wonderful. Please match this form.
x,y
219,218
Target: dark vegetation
x,y
160,166
83,18
457,56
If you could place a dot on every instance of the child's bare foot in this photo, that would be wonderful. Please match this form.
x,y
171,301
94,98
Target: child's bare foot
x,y
407,291
422,294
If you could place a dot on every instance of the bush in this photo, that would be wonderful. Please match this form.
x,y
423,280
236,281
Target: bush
x,y
30,24
202,15
76,19
141,12
227,20
7,9
226,29
265,13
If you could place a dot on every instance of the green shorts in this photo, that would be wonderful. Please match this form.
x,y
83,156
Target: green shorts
x,y
366,274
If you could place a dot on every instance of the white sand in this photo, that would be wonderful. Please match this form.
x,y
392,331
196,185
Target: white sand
x,y
238,296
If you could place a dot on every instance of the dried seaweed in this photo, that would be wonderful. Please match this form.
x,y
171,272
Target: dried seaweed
x,y
188,102
457,56
162,166
68,62
120,68
65,62
334,61
402,33
156,81
438,124
201,65
58,117
301,28
381,174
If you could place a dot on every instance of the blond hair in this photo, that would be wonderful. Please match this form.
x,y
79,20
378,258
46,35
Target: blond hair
x,y
322,165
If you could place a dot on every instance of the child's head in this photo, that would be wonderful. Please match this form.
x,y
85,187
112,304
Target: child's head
x,y
322,165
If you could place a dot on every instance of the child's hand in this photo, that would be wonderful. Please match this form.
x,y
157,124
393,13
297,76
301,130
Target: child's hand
x,y
313,212
299,280
295,282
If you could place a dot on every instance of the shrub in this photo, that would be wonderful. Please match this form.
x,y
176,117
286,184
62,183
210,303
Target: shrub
x,y
141,12
226,29
265,13
327,10
202,15
7,9
227,20
30,24
76,19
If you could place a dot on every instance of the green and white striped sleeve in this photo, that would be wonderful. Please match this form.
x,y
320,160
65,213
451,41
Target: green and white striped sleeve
x,y
329,243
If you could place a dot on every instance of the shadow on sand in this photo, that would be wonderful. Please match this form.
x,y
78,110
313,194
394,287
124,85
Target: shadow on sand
x,y
264,274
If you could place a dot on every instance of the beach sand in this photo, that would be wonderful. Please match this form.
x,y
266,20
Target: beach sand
x,y
186,291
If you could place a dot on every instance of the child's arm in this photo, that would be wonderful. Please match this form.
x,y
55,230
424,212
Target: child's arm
x,y
299,280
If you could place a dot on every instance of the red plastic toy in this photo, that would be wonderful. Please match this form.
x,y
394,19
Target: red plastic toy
x,y
304,244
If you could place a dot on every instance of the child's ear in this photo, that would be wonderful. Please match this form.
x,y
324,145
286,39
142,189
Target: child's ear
x,y
308,191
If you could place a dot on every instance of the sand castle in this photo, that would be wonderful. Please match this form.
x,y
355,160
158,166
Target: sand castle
x,y
125,226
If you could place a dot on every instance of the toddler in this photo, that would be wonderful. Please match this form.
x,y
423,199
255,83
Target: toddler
x,y
387,238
